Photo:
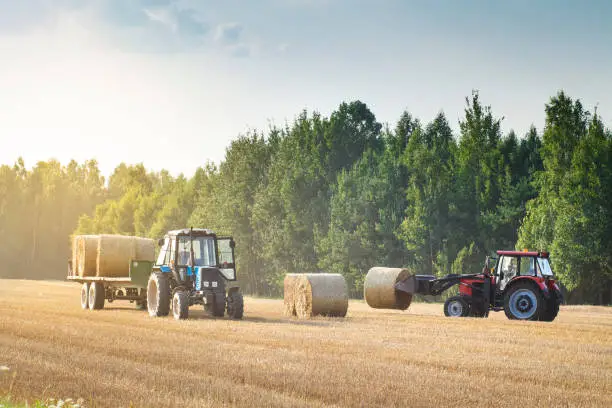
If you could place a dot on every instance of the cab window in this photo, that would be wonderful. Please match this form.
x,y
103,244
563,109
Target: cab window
x,y
170,252
527,266
161,258
508,266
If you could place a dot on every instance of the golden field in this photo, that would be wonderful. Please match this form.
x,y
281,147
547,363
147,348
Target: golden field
x,y
119,356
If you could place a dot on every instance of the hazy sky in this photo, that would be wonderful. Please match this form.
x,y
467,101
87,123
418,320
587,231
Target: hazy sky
x,y
170,83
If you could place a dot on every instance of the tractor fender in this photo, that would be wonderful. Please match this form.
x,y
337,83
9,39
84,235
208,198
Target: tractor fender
x,y
536,281
232,290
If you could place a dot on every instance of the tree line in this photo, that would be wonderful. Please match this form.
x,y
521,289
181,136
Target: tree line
x,y
344,193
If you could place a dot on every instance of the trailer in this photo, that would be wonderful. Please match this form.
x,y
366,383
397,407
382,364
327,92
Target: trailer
x,y
194,267
95,290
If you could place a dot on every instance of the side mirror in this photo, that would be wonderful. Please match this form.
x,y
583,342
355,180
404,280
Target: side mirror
x,y
232,244
161,241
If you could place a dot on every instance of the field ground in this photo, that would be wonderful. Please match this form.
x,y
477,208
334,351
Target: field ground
x,y
375,358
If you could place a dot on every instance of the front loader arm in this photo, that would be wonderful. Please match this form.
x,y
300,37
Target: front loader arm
x,y
429,284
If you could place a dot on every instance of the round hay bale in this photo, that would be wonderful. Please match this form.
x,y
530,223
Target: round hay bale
x,y
323,294
87,254
115,252
145,249
288,294
379,290
74,248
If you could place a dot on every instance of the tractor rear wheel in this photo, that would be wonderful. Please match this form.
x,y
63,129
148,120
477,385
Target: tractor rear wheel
x,y
456,306
524,301
158,295
180,305
235,305
85,295
96,296
552,309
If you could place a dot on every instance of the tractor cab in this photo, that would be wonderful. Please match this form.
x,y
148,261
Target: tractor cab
x,y
184,252
514,264
194,266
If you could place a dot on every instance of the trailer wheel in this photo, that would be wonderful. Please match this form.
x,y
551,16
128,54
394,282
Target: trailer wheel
x,y
523,301
235,305
456,306
180,305
85,295
96,296
158,295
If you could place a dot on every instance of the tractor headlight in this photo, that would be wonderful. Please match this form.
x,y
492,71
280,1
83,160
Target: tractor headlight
x,y
214,284
206,284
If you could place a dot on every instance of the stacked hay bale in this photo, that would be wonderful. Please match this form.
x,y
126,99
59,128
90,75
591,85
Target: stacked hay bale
x,y
74,244
86,250
109,255
115,252
317,294
379,290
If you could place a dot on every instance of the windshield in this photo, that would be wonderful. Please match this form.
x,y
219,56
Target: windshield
x,y
203,251
545,267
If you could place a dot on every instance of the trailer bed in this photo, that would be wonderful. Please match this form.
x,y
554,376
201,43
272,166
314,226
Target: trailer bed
x,y
138,275
82,279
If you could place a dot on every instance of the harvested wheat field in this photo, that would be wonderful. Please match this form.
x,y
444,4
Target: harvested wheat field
x,y
415,358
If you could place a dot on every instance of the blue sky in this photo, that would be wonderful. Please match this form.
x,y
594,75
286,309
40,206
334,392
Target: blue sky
x,y
171,83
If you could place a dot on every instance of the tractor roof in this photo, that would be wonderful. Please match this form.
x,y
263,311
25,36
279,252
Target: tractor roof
x,y
524,253
196,231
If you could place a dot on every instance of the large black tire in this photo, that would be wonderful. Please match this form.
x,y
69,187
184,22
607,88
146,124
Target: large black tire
x,y
180,305
96,296
217,307
158,295
235,305
456,306
524,301
85,295
552,309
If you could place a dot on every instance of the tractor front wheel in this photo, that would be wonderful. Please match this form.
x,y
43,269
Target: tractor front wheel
x,y
235,305
523,301
456,306
180,305
158,295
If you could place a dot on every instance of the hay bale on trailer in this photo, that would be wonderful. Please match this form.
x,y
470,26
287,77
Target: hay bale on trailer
x,y
324,294
74,259
379,290
288,293
86,254
115,252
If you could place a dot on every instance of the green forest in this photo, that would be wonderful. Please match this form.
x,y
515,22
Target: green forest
x,y
344,193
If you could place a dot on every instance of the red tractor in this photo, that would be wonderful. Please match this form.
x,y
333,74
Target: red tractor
x,y
521,284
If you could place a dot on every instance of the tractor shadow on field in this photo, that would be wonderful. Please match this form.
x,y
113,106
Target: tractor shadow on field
x,y
289,321
202,315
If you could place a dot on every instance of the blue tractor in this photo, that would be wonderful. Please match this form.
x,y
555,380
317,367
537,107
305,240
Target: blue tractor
x,y
194,267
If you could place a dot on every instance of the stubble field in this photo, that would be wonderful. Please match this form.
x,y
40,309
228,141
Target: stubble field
x,y
119,356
